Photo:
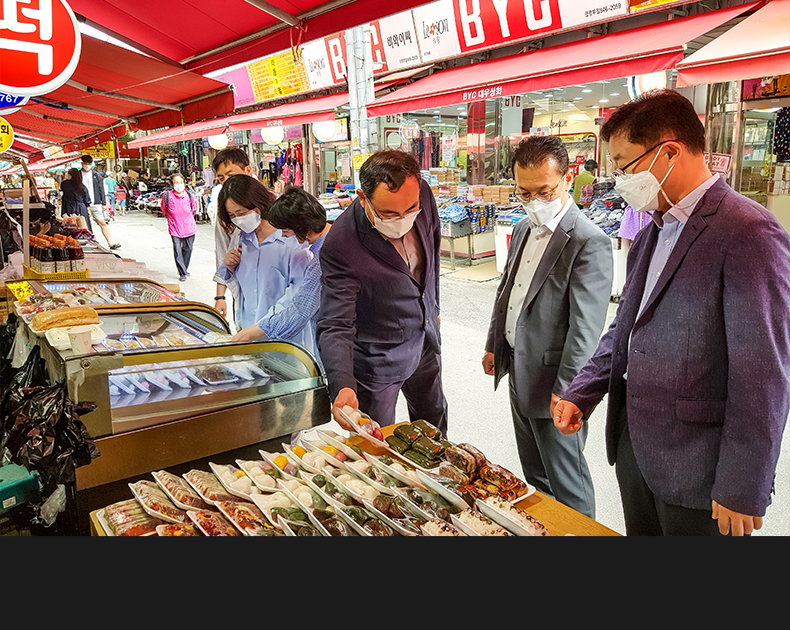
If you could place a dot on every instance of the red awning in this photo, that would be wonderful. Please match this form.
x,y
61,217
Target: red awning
x,y
206,35
112,85
757,47
625,53
298,113
43,165
20,149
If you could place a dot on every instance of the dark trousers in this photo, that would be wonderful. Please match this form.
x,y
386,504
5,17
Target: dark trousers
x,y
645,513
182,250
422,390
552,462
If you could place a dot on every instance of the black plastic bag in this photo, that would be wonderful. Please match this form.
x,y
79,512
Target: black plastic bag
x,y
32,374
7,334
45,434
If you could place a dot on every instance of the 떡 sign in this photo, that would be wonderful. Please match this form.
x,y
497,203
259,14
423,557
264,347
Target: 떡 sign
x,y
39,46
6,135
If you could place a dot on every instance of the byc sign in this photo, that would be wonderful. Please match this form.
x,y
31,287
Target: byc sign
x,y
39,46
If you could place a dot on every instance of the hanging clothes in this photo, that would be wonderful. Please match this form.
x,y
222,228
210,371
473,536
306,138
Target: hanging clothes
x,y
782,135
298,174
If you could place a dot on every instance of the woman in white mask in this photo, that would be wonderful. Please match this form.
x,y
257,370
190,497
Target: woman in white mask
x,y
267,266
180,207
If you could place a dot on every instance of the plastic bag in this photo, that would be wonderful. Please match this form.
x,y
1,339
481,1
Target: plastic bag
x,y
32,374
54,505
45,434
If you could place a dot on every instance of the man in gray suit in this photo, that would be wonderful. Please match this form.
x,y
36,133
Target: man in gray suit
x,y
548,316
696,364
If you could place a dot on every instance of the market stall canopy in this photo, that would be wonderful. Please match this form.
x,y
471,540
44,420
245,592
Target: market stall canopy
x,y
205,35
298,113
43,165
631,52
113,85
757,47
21,150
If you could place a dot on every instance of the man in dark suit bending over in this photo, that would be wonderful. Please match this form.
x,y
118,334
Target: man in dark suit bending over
x,y
378,324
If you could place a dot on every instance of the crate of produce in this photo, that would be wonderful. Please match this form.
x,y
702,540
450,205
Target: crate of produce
x,y
454,229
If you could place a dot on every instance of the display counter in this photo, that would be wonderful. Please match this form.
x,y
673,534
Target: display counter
x,y
170,388
557,518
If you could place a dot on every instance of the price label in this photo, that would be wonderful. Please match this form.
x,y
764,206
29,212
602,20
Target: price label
x,y
21,290
6,135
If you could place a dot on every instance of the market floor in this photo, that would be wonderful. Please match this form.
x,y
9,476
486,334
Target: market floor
x,y
478,414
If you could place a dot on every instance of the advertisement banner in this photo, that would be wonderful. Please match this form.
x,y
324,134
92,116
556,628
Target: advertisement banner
x,y
394,43
103,150
436,32
277,76
316,63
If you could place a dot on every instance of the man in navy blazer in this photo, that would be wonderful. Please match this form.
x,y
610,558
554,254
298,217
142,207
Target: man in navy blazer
x,y
697,361
378,323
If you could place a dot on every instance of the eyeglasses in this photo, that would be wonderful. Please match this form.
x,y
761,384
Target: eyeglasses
x,y
373,208
619,172
544,196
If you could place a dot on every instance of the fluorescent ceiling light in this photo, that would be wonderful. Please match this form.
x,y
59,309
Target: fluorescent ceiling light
x,y
615,94
604,100
587,91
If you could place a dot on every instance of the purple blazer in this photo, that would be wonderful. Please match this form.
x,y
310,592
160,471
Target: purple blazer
x,y
709,362
375,318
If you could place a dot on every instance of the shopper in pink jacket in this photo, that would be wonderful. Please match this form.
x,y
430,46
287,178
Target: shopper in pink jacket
x,y
180,208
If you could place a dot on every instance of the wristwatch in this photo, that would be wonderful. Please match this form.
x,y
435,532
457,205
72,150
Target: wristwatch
x,y
219,297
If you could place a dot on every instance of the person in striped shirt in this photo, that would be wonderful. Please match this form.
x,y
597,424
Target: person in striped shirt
x,y
298,213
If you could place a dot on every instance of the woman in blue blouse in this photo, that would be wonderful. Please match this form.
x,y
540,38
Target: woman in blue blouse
x,y
267,266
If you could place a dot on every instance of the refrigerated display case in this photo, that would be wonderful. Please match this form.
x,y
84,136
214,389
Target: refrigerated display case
x,y
101,293
171,388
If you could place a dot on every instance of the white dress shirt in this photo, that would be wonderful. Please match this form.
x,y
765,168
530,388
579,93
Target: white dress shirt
x,y
534,248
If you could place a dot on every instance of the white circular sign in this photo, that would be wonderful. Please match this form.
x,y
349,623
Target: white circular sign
x,y
273,135
409,130
219,142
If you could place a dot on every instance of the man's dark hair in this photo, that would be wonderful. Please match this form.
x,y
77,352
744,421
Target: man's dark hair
x,y
655,116
234,155
87,159
532,152
299,211
246,191
173,178
590,165
390,167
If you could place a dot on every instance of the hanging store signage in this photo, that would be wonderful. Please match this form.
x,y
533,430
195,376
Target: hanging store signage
x,y
6,135
276,76
394,43
10,103
39,46
409,130
103,150
719,163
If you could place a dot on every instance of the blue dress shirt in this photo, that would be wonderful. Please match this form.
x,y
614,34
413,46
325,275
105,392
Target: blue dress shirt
x,y
298,317
268,273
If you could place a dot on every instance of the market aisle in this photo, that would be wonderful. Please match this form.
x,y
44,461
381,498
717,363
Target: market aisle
x,y
477,413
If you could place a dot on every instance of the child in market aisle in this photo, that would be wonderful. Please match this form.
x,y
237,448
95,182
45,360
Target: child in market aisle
x,y
180,208
267,267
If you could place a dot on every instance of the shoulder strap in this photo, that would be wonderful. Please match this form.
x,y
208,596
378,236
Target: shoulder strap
x,y
167,200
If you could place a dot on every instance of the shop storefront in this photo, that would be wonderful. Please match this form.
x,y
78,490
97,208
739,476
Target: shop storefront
x,y
743,74
464,123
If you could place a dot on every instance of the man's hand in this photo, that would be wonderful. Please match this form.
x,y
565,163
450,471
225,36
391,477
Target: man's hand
x,y
554,400
567,417
733,522
439,320
488,363
232,258
248,334
222,307
345,396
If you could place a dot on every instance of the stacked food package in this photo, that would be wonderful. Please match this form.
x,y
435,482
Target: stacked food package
x,y
326,485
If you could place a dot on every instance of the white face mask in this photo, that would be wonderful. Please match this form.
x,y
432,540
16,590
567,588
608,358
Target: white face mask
x,y
640,190
179,188
86,167
539,212
395,228
248,222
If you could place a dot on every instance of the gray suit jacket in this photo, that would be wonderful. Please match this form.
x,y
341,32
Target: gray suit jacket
x,y
709,358
563,314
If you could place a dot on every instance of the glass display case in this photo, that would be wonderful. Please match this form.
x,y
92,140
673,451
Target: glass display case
x,y
100,293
